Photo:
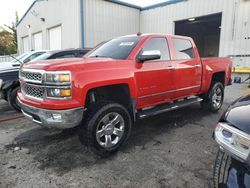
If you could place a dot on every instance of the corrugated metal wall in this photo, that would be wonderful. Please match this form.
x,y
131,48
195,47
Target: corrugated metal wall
x,y
66,14
105,20
235,27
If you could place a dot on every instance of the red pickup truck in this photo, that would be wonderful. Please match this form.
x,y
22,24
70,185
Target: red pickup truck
x,y
124,79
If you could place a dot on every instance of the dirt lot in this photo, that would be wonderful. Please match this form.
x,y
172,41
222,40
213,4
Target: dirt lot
x,y
169,150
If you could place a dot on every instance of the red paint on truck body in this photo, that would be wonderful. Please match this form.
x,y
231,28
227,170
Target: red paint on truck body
x,y
150,83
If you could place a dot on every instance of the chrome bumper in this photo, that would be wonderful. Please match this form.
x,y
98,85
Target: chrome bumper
x,y
61,119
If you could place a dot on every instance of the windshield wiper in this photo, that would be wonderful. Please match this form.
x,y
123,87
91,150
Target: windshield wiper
x,y
16,59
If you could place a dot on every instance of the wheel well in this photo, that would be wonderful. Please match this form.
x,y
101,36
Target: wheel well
x,y
9,87
118,93
219,77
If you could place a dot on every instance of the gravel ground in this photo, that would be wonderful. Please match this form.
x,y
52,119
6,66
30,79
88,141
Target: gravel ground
x,y
170,150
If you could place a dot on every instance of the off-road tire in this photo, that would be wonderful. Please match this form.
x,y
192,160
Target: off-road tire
x,y
221,165
207,102
12,99
88,130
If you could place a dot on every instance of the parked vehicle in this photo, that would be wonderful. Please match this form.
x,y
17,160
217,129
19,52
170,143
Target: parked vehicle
x,y
9,81
23,58
61,54
122,80
232,133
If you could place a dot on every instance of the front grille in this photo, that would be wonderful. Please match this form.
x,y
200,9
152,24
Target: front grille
x,y
35,91
31,76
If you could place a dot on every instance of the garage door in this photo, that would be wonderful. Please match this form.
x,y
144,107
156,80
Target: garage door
x,y
38,41
25,44
55,38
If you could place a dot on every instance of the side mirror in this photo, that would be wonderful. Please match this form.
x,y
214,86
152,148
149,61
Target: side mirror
x,y
149,55
26,60
16,65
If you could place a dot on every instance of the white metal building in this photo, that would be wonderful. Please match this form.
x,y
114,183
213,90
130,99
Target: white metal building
x,y
219,27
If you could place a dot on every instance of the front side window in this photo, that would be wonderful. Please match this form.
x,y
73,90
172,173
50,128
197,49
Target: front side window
x,y
159,44
118,48
183,49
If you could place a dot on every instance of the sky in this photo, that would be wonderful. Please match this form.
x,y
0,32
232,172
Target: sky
x,y
9,7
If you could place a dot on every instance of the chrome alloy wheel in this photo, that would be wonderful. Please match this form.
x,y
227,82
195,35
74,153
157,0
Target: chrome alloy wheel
x,y
217,97
110,130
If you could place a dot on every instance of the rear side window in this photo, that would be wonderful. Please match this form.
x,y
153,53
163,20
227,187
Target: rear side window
x,y
183,49
158,44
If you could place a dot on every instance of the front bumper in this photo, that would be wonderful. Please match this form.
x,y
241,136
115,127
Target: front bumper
x,y
61,119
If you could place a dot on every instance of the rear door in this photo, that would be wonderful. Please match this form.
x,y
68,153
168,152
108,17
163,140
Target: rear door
x,y
154,78
188,70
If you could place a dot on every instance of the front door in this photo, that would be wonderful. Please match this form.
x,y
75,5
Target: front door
x,y
154,78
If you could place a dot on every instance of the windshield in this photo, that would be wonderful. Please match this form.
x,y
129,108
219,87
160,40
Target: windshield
x,y
42,57
20,58
118,48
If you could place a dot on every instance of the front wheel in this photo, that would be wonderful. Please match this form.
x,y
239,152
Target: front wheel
x,y
12,99
213,100
106,128
221,165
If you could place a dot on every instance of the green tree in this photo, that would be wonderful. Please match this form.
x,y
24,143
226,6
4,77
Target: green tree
x,y
8,40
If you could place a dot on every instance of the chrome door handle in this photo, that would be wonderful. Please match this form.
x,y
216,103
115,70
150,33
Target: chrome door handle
x,y
197,66
171,67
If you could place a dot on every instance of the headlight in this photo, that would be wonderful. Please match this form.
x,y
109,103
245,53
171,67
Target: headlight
x,y
233,140
58,77
58,92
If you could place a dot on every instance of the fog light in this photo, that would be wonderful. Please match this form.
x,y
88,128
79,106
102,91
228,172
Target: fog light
x,y
57,117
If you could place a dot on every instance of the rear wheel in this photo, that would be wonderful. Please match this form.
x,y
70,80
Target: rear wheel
x,y
213,100
221,165
12,99
106,127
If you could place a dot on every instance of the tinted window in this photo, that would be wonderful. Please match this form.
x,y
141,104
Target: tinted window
x,y
158,44
82,53
183,49
118,48
65,55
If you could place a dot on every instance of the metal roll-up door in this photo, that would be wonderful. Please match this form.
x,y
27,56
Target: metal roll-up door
x,y
55,38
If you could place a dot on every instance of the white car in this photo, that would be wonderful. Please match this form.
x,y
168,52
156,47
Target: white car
x,y
9,84
24,58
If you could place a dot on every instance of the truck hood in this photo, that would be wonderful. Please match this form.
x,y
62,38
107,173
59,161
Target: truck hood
x,y
238,114
68,64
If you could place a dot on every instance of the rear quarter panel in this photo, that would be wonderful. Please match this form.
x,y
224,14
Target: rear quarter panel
x,y
211,66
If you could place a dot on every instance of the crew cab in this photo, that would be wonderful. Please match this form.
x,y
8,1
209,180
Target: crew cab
x,y
120,81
